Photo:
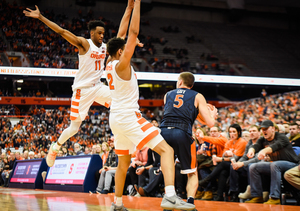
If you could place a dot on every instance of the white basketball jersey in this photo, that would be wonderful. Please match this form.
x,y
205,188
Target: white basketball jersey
x,y
91,66
124,93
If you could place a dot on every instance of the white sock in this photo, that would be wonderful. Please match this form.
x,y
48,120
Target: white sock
x,y
118,201
170,190
56,146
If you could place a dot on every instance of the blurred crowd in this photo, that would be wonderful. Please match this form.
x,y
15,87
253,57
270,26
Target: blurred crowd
x,y
47,49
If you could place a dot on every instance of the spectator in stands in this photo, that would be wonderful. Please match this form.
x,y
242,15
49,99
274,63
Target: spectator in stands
x,y
18,156
38,94
99,149
105,150
281,128
277,148
241,168
263,94
65,151
31,155
294,134
25,155
2,165
246,135
10,165
139,161
204,161
93,150
60,153
287,129
87,151
292,176
217,141
107,172
234,149
77,149
153,164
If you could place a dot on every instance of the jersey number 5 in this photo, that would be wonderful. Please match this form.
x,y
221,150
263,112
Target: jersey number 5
x,y
179,101
97,65
110,83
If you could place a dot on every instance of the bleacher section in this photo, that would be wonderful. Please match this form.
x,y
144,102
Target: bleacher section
x,y
239,50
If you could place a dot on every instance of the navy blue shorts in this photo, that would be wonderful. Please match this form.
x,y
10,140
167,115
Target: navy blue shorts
x,y
184,147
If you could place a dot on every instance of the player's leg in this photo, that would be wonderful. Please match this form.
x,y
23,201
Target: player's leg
x,y
124,162
170,200
123,148
191,187
81,103
82,99
177,138
186,152
66,134
167,162
103,96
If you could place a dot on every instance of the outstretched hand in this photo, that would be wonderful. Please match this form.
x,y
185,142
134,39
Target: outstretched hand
x,y
32,13
138,43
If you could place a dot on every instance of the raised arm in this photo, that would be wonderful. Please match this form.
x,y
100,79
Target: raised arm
x,y
80,42
123,67
125,20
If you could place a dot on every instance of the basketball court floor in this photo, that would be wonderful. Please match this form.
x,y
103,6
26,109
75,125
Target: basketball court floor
x,y
12,199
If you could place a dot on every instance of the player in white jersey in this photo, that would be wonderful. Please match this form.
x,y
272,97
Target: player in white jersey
x,y
130,129
87,87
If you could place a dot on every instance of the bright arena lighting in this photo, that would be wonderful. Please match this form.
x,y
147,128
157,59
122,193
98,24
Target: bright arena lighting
x,y
153,76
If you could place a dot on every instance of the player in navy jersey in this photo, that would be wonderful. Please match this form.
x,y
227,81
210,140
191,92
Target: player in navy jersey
x,y
182,105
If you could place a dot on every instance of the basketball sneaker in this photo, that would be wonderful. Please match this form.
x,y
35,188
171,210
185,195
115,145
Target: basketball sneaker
x,y
50,159
117,208
175,202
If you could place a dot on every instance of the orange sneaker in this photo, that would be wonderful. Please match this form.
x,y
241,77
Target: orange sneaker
x,y
50,159
256,200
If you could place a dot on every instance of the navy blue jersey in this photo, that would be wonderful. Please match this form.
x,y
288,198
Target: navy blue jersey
x,y
180,111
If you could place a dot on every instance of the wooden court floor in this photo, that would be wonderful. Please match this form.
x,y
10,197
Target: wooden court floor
x,y
12,199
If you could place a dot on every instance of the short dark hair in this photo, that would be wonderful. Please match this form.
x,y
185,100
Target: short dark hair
x,y
218,128
238,129
114,44
294,124
187,78
93,24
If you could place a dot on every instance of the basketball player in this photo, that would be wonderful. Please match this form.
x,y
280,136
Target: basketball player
x,y
87,87
182,105
129,128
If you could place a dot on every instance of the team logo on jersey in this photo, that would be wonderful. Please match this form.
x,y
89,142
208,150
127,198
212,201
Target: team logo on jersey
x,y
109,67
95,55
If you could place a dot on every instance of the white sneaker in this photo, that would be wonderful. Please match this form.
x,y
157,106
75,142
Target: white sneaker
x,y
175,202
116,208
137,195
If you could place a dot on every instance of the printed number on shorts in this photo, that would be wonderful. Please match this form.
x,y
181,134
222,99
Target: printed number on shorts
x,y
97,65
110,83
179,101
78,93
